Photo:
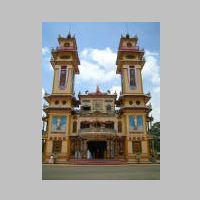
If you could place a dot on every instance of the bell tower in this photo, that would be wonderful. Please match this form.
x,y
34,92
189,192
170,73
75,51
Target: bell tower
x,y
61,102
132,101
130,62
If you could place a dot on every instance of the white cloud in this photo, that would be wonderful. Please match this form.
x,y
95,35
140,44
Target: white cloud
x,y
84,53
45,51
43,92
50,67
97,66
151,79
46,56
105,58
156,89
117,89
155,101
151,68
43,101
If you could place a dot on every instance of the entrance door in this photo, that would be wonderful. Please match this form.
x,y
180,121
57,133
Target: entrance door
x,y
97,149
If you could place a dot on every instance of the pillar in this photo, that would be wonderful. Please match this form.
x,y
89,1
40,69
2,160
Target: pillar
x,y
85,149
64,147
144,147
108,149
130,151
49,148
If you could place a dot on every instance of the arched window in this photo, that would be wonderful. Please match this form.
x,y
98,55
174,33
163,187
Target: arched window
x,y
132,78
108,107
67,44
129,44
63,76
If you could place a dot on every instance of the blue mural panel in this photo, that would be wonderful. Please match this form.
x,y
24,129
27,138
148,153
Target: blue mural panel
x,y
139,122
135,122
59,123
131,122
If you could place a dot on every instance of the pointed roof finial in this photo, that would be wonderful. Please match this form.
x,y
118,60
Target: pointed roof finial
x,y
97,89
127,34
69,34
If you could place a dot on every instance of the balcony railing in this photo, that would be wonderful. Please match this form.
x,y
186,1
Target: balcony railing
x,y
99,130
85,112
63,49
136,48
56,106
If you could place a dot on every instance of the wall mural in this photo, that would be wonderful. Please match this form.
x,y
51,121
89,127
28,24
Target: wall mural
x,y
135,122
132,78
63,77
139,122
59,123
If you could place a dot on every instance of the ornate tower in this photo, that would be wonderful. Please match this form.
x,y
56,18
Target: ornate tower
x,y
132,101
65,63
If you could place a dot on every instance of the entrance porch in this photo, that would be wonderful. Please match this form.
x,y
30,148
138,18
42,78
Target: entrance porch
x,y
102,147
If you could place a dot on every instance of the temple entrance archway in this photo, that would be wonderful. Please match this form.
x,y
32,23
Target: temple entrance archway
x,y
97,149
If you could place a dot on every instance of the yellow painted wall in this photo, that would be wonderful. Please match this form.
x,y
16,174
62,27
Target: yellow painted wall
x,y
49,146
64,146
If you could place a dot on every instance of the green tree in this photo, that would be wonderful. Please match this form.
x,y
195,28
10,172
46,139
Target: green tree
x,y
155,131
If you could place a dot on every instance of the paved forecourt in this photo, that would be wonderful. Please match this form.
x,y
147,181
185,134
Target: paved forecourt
x,y
122,172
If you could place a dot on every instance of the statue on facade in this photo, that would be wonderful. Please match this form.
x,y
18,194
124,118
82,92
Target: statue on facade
x,y
89,155
51,160
58,124
135,123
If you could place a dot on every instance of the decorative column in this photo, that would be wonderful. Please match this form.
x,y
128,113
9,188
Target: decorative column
x,y
116,148
116,125
110,153
85,149
108,149
81,148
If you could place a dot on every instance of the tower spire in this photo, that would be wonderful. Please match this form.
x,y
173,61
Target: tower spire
x,y
97,89
127,33
69,32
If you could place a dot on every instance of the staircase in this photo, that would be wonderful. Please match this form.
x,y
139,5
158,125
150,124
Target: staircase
x,y
97,162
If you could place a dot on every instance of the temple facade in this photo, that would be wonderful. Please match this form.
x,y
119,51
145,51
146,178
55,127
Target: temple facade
x,y
97,123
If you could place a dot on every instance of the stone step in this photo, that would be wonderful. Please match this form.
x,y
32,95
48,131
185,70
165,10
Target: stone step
x,y
96,162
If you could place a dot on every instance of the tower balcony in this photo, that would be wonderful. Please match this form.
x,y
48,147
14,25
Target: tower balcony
x,y
97,113
147,108
60,49
97,130
46,108
134,48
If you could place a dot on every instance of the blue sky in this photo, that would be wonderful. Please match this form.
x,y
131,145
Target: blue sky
x,y
97,48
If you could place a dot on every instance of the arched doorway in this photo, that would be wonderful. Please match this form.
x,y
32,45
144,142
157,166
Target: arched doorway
x,y
97,149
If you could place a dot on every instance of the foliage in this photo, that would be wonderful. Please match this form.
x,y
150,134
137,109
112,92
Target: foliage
x,y
155,131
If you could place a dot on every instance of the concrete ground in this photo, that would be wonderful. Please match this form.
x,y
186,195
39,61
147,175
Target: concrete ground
x,y
122,172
